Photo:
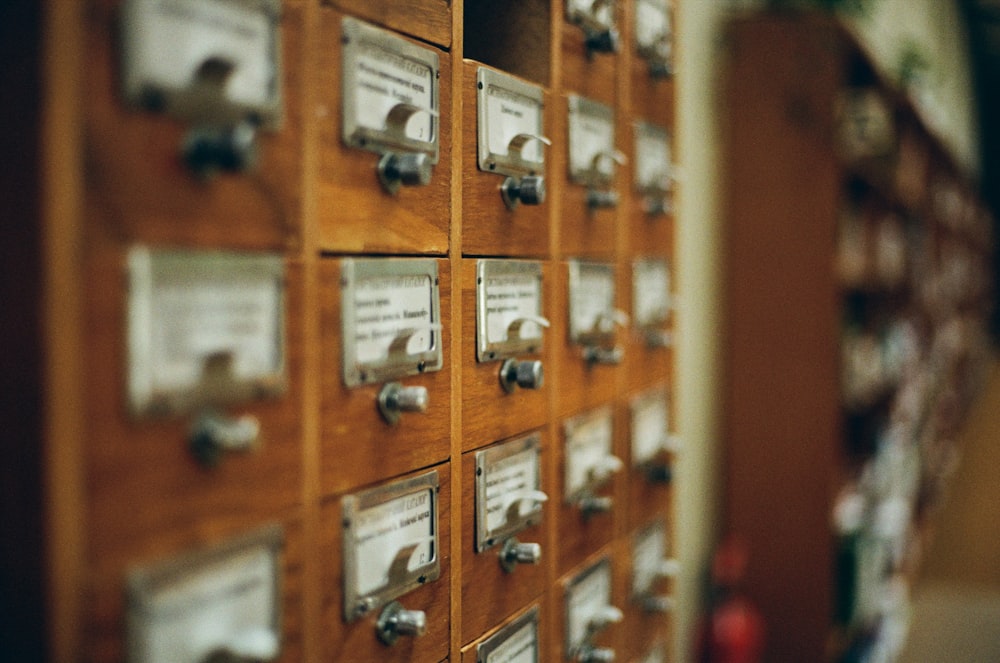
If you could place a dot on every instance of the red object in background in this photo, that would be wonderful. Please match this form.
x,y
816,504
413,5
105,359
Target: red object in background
x,y
733,632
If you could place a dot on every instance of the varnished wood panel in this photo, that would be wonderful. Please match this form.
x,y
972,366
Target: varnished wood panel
x,y
357,445
591,76
355,214
469,650
652,99
429,20
488,412
357,641
490,594
106,601
491,228
581,386
146,491
135,175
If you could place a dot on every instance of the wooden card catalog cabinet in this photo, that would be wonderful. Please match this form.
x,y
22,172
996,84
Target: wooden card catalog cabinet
x,y
592,153
213,63
592,313
390,543
589,460
654,172
511,135
509,320
205,329
654,36
223,603
517,642
509,499
391,323
589,611
391,103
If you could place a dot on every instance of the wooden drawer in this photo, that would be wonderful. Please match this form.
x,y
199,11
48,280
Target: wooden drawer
x,y
579,385
357,641
501,633
585,231
137,184
357,445
355,214
611,636
107,605
428,20
488,412
641,626
579,534
146,491
489,593
494,229
589,75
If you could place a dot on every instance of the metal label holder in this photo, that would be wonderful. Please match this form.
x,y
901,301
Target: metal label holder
x,y
657,50
597,476
601,331
397,363
514,345
199,90
401,579
144,584
649,542
657,318
221,377
600,571
514,520
592,174
360,39
493,650
587,16
660,182
654,398
490,83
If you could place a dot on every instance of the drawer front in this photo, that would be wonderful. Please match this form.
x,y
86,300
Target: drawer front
x,y
139,187
358,445
357,640
355,213
429,20
490,593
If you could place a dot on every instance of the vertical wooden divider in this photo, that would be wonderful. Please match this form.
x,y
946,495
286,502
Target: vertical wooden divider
x,y
312,608
457,341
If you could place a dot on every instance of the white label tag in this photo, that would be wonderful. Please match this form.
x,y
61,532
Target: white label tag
x,y
652,24
511,297
169,40
651,293
653,167
648,554
591,135
384,79
586,597
594,13
381,532
228,603
588,446
649,426
591,300
511,475
509,114
389,307
518,647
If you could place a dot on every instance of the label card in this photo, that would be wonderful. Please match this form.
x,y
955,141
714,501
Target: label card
x,y
391,318
591,302
508,308
390,91
653,165
591,14
390,542
509,110
653,33
204,60
651,300
224,598
508,479
658,654
586,595
203,327
589,459
649,425
648,554
591,142
515,643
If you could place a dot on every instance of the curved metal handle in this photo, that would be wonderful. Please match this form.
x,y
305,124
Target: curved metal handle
x,y
603,617
607,320
517,143
514,328
512,502
400,114
397,349
214,434
605,467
